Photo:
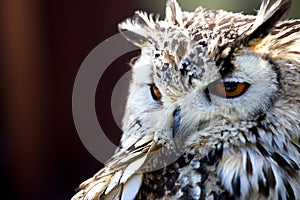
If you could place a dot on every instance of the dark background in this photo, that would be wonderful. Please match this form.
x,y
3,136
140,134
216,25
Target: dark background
x,y
42,45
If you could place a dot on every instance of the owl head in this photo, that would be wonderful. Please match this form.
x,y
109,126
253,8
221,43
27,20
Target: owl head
x,y
204,73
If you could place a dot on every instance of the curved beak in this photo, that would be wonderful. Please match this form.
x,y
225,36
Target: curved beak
x,y
176,121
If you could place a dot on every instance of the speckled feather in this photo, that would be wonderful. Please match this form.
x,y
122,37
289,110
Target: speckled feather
x,y
190,142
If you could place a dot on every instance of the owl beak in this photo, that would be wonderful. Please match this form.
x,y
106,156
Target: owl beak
x,y
176,121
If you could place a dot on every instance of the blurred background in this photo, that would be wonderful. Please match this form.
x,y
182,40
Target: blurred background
x,y
42,45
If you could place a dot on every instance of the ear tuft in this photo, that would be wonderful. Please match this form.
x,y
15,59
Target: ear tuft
x,y
138,29
174,13
270,12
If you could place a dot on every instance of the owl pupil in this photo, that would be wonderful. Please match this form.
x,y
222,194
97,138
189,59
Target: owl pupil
x,y
230,86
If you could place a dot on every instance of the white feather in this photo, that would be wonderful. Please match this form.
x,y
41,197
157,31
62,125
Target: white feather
x,y
114,181
132,187
132,168
95,191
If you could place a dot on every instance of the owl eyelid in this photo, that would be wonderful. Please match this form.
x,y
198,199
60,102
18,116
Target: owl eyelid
x,y
228,89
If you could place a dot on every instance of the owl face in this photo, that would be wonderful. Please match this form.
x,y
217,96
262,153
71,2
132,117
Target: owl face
x,y
247,90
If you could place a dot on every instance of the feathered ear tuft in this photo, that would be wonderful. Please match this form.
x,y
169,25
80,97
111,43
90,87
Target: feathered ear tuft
x,y
270,12
139,29
174,13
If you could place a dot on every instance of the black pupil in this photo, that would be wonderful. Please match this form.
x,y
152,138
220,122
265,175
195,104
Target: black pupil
x,y
230,86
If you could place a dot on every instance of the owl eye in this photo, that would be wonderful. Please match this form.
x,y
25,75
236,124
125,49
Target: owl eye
x,y
228,90
156,95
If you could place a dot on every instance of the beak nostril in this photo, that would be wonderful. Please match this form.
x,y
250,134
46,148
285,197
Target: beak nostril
x,y
176,120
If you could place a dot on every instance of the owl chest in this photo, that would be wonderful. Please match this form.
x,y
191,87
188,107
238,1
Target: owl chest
x,y
189,177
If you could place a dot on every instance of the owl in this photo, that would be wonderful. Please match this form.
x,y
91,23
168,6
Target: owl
x,y
213,110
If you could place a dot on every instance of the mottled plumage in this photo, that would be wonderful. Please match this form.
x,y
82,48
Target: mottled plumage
x,y
213,108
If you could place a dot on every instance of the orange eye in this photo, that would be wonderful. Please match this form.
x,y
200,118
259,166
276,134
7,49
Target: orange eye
x,y
156,95
228,89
